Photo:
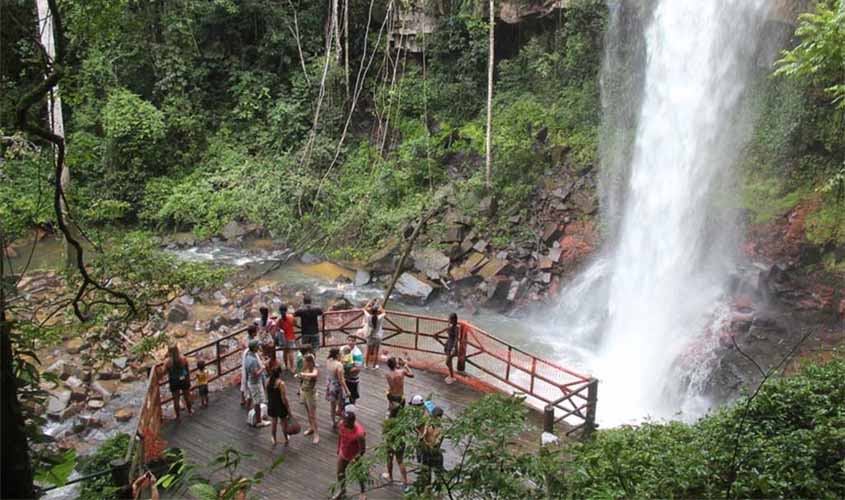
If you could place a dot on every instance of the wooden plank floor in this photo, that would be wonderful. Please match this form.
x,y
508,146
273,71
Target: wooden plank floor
x,y
308,470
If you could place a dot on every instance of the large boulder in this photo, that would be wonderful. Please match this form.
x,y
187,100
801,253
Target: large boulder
x,y
384,260
57,402
178,313
415,287
233,230
431,262
362,277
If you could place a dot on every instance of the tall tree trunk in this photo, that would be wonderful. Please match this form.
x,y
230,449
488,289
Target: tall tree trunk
x,y
346,42
16,479
490,62
54,107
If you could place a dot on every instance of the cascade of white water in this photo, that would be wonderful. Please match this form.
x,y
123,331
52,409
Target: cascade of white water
x,y
661,281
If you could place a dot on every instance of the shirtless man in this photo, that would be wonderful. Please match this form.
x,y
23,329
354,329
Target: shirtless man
x,y
399,369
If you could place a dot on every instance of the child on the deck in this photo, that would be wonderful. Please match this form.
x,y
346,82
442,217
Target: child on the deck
x,y
202,383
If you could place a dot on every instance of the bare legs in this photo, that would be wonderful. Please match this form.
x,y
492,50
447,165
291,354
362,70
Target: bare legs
x,y
284,427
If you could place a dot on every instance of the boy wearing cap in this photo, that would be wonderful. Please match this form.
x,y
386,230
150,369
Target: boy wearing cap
x,y
351,444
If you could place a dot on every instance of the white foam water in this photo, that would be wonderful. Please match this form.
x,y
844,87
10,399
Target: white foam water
x,y
642,305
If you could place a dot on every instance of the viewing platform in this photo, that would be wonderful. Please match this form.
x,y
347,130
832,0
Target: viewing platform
x,y
487,364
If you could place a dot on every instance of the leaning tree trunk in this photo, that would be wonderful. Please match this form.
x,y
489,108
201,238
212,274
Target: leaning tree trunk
x,y
488,178
54,108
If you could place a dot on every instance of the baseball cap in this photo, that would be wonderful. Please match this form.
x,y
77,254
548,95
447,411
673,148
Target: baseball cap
x,y
417,400
350,409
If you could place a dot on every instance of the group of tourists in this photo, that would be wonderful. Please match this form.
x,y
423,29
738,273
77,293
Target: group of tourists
x,y
264,392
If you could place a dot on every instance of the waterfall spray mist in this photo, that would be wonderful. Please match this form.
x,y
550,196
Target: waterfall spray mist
x,y
667,199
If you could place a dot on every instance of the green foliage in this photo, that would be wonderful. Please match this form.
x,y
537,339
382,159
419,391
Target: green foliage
x,y
788,441
820,56
25,189
184,475
100,488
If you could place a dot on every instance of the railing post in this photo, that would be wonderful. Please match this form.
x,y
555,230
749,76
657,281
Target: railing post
x,y
323,329
549,419
219,363
462,349
592,399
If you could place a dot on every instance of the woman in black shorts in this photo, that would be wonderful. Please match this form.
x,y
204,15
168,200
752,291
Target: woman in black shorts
x,y
277,403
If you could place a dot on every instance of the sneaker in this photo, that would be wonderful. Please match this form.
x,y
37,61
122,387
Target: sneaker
x,y
376,367
316,439
308,432
263,423
450,380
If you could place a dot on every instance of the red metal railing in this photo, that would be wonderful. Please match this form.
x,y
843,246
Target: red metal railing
x,y
563,394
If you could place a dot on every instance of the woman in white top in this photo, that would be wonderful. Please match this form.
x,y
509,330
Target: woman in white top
x,y
373,323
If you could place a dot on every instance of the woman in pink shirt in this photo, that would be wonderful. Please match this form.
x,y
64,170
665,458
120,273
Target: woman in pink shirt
x,y
351,444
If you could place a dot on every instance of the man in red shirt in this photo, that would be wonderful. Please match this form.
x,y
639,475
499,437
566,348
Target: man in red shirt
x,y
351,444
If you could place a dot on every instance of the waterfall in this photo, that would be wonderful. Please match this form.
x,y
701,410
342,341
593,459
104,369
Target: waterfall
x,y
675,123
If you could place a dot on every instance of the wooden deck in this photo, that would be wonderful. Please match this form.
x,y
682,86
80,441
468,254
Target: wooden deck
x,y
308,470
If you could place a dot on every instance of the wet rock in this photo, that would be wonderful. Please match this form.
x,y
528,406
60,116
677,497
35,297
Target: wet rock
x,y
96,404
516,290
384,260
105,388
57,402
74,346
182,240
585,201
120,363
238,316
128,376
487,206
340,304
414,286
108,375
215,323
124,414
310,258
545,278
431,262
71,411
187,300
362,277
78,394
545,264
177,313
232,231
89,422
555,254
480,246
199,326
497,291
221,298
551,232
492,267
453,234
74,383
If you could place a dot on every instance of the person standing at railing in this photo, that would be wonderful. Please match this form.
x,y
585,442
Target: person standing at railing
x,y
251,332
454,331
285,337
309,323
179,378
373,329
255,378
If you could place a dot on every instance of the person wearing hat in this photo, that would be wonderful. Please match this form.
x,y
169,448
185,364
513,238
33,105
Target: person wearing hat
x,y
255,377
351,444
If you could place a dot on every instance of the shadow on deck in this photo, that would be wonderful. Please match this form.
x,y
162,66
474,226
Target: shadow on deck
x,y
308,470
